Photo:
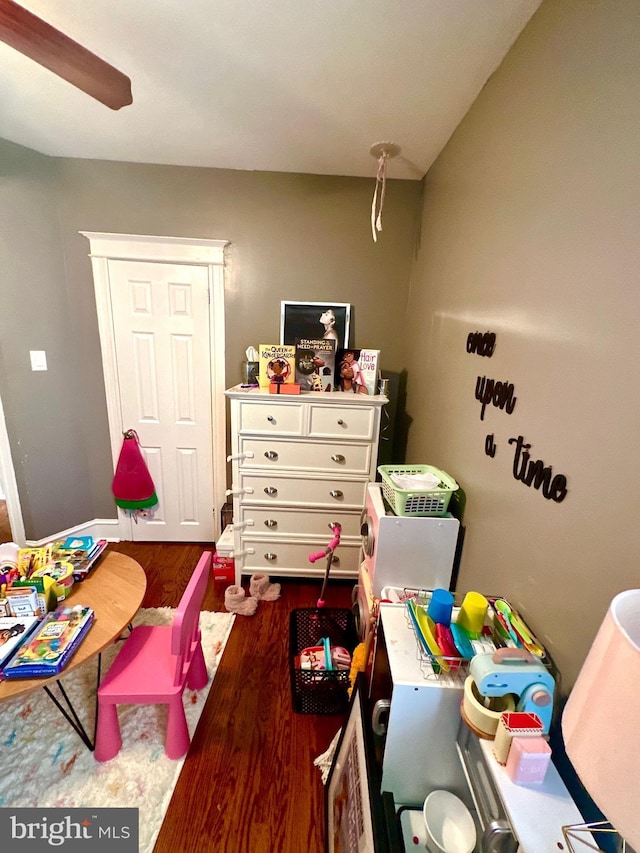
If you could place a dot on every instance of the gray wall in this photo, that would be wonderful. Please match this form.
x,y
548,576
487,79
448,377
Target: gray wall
x,y
530,230
44,411
296,237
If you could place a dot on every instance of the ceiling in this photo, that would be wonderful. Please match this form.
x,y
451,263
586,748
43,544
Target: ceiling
x,y
278,85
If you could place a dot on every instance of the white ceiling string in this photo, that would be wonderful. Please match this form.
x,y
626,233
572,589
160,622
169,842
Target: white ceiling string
x,y
383,151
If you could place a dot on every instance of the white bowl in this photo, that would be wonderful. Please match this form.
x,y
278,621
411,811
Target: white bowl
x,y
449,824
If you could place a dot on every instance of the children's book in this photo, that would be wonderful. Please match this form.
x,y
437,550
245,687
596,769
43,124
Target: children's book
x,y
83,559
356,371
315,364
50,647
277,364
76,543
370,368
14,630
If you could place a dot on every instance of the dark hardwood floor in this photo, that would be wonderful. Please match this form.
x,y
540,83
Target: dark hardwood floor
x,y
248,784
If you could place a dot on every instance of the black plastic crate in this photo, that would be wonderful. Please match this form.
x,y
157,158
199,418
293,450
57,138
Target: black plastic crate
x,y
313,691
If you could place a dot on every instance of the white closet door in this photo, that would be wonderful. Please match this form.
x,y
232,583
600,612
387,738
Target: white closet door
x,y
162,342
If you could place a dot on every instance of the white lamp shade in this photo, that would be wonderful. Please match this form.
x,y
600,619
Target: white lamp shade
x,y
601,720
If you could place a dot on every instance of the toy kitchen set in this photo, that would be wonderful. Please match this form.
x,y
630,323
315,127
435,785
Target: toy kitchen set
x,y
460,699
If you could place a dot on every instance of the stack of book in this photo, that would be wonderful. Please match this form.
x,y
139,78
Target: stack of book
x,y
83,552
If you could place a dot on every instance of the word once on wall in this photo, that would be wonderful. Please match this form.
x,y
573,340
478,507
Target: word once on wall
x,y
481,343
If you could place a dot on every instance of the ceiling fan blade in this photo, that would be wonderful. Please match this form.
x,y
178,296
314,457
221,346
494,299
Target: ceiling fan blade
x,y
54,50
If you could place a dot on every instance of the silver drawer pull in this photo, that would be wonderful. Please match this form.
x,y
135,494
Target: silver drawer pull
x,y
271,454
336,493
340,422
335,561
270,522
271,419
337,457
271,557
379,717
270,490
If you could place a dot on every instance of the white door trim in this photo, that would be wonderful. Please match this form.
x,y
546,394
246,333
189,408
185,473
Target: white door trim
x,y
174,250
8,475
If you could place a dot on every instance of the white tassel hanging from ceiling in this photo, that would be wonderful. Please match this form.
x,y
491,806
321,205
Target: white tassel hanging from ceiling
x,y
377,204
383,151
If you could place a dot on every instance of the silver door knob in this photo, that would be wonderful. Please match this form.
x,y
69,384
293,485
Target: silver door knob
x,y
270,490
271,454
271,557
336,493
337,457
270,522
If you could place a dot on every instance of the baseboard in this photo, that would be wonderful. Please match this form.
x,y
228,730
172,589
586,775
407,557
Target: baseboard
x,y
99,528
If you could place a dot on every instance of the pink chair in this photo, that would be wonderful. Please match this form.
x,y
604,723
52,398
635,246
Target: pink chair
x,y
153,667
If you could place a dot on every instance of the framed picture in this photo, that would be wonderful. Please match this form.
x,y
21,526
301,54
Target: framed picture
x,y
355,815
315,320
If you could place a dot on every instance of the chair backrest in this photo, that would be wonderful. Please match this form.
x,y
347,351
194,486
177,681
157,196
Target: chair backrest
x,y
185,630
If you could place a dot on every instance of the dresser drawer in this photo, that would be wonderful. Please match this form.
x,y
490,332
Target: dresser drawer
x,y
278,418
302,491
333,421
305,456
297,522
280,557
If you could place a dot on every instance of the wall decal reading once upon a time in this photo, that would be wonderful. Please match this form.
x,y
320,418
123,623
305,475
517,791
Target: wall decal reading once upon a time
x,y
500,394
481,343
533,472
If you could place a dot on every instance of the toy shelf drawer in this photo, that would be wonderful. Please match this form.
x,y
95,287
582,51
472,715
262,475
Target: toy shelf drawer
x,y
341,421
305,456
279,557
297,522
302,491
278,418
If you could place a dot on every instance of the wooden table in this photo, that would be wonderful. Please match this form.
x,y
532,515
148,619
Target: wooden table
x,y
114,590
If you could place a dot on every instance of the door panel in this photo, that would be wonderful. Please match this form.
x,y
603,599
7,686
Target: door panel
x,y
162,339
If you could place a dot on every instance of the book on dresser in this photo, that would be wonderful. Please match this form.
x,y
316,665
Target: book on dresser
x,y
370,368
315,364
357,370
277,364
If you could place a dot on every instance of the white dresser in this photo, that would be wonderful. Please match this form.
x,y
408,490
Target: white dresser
x,y
300,463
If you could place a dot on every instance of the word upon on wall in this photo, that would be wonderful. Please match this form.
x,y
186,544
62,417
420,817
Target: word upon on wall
x,y
531,472
500,394
481,343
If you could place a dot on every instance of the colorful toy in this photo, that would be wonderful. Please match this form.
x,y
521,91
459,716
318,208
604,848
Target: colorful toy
x,y
132,486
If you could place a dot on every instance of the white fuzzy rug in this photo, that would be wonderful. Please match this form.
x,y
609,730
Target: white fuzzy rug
x,y
44,762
